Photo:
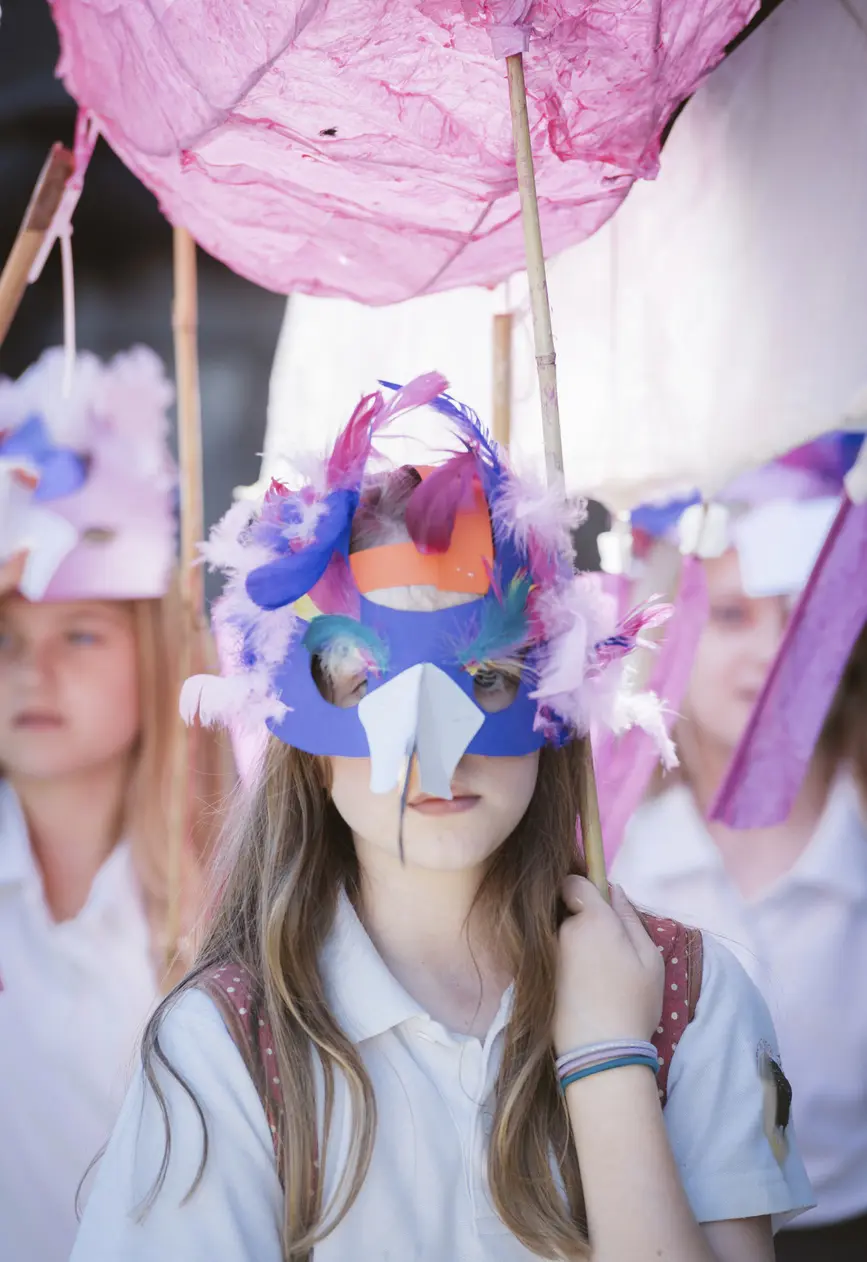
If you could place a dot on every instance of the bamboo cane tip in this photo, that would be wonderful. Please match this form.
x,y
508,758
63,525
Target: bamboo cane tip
x,y
53,178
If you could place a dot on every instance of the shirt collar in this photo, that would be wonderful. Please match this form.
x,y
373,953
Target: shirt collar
x,y
16,859
681,847
363,995
114,885
836,857
674,841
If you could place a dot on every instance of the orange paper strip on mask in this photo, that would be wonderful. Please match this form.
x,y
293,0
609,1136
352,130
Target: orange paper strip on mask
x,y
461,568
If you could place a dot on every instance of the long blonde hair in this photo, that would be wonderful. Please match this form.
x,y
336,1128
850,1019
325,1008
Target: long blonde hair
x,y
158,628
291,854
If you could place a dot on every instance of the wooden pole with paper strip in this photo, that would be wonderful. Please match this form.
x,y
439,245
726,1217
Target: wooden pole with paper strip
x,y
546,365
192,529
37,220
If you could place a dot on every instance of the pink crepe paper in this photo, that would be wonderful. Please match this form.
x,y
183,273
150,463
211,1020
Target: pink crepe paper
x,y
625,764
769,765
363,148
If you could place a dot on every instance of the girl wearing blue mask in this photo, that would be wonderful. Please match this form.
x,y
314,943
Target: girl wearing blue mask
x,y
415,1030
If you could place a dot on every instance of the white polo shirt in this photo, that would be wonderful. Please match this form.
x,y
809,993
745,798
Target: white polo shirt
x,y
425,1198
804,942
74,998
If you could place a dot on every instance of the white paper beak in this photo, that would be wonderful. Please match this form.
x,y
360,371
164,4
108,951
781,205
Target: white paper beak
x,y
420,711
45,536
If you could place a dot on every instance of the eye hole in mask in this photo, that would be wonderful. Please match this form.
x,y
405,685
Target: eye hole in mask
x,y
342,688
344,655
495,687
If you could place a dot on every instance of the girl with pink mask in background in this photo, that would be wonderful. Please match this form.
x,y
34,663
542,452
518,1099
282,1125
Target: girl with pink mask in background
x,y
789,900
89,628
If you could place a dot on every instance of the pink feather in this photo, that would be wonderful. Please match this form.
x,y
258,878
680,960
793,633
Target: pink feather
x,y
336,591
415,394
433,505
345,466
352,447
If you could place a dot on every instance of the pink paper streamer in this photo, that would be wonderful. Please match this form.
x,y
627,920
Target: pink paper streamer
x,y
625,764
363,148
619,588
769,765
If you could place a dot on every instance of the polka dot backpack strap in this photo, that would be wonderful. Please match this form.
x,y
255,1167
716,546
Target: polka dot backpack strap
x,y
239,1000
681,949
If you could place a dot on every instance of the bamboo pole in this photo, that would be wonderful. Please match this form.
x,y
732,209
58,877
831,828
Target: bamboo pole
x,y
546,365
502,411
185,328
41,210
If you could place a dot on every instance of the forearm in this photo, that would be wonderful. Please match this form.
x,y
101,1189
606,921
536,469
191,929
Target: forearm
x,y
636,1205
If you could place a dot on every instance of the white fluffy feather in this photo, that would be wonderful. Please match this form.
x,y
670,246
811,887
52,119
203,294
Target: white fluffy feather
x,y
645,710
527,505
229,699
226,547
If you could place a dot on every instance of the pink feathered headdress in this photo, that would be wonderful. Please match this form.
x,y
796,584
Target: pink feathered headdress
x,y
101,464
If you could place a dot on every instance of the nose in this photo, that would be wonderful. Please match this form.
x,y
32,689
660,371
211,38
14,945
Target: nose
x,y
772,614
421,712
31,659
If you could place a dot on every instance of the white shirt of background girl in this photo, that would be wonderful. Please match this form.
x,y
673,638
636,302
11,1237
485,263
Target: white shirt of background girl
x,y
74,997
804,943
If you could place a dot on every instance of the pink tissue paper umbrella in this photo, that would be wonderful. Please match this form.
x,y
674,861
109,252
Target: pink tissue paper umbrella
x,y
363,148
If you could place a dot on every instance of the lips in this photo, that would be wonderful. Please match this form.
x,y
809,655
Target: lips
x,y
37,720
426,805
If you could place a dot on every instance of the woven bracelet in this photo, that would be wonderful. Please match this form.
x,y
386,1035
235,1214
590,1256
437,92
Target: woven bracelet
x,y
615,1062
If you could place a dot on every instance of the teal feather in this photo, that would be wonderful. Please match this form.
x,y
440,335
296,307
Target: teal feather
x,y
504,626
329,630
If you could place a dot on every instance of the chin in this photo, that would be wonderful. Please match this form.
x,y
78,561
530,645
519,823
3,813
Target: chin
x,y
447,849
47,757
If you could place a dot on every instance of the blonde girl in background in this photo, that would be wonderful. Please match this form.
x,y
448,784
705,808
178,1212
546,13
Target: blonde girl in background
x,y
412,1017
791,900
88,699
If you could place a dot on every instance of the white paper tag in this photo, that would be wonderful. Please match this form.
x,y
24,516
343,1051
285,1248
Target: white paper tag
x,y
45,536
703,530
421,709
856,479
779,542
615,548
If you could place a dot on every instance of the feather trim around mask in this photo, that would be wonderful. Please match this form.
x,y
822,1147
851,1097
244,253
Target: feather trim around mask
x,y
583,679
